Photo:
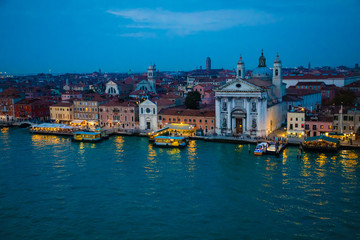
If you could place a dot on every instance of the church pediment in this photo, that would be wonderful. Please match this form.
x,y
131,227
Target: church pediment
x,y
239,86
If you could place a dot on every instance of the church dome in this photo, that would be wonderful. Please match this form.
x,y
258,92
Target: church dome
x,y
262,72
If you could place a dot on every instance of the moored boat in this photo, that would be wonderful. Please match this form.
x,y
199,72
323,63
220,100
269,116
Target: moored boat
x,y
261,148
87,136
168,141
321,143
275,147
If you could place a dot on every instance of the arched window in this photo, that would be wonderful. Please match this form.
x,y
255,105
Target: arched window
x,y
276,72
239,73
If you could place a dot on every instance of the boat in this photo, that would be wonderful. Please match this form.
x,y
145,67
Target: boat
x,y
261,148
275,148
168,141
87,136
321,143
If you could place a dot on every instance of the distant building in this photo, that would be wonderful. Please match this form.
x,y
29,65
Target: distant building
x,y
148,85
8,98
337,78
112,88
208,64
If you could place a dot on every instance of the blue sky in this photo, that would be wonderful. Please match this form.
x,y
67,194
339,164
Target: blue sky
x,y
85,35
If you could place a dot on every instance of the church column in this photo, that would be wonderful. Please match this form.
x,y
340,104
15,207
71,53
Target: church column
x,y
229,115
248,116
217,115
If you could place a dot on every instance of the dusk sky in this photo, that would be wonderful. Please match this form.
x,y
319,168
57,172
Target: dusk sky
x,y
83,36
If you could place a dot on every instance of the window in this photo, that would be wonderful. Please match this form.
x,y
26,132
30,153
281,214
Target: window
x,y
174,119
200,120
335,127
329,127
205,120
185,120
291,127
307,127
142,110
344,127
302,125
290,119
296,125
314,127
321,126
336,118
189,120
351,127
351,118
296,119
345,118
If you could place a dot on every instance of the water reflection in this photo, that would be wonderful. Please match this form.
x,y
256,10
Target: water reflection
x,y
119,145
151,165
46,140
4,130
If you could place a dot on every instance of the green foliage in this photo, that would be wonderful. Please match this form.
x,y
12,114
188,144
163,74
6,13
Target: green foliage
x,y
192,100
345,98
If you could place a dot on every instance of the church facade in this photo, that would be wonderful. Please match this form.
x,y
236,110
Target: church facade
x,y
148,85
251,106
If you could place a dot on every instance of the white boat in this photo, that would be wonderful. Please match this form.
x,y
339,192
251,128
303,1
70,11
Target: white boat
x,y
261,148
275,148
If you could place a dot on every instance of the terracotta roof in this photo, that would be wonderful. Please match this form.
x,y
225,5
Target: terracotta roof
x,y
187,112
62,104
309,83
314,76
259,82
163,102
354,84
301,92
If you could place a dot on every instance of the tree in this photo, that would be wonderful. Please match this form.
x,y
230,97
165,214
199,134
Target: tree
x,y
192,100
344,97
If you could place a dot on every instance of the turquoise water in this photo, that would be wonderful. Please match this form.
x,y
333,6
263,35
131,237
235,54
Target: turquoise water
x,y
123,188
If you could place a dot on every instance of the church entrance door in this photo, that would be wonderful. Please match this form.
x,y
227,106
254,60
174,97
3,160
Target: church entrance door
x,y
239,126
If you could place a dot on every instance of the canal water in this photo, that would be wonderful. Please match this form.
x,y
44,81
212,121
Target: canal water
x,y
123,188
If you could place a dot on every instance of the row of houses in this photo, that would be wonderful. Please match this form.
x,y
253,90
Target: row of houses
x,y
303,123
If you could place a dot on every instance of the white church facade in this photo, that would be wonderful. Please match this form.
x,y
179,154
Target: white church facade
x,y
148,116
251,106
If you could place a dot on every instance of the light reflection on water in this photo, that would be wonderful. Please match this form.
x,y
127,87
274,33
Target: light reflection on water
x,y
205,191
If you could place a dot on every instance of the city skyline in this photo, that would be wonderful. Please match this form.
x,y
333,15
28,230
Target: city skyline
x,y
117,36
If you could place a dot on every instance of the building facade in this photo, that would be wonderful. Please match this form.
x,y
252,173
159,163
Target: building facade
x,y
251,106
119,115
148,116
62,112
202,119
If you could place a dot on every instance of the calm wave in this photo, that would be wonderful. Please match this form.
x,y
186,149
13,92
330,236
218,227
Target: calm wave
x,y
123,188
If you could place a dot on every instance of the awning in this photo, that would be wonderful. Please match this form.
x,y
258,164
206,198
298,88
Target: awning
x,y
77,121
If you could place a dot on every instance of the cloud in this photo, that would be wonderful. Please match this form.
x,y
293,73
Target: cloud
x,y
184,23
139,35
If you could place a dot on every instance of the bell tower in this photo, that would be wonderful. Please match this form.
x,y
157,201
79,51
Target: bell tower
x,y
240,69
277,78
151,78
